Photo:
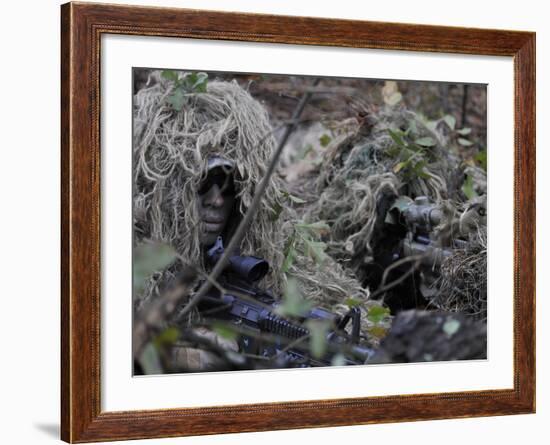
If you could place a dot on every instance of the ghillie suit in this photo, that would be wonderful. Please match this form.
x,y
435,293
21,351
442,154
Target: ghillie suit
x,y
389,154
171,152
462,282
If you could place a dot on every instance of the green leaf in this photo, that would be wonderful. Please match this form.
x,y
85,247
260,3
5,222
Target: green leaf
x,y
352,302
170,75
400,166
196,82
167,337
423,174
419,169
293,305
451,327
289,244
189,80
450,121
149,360
201,83
289,260
464,142
377,313
153,257
225,331
464,131
394,151
177,99
481,157
397,138
412,127
150,258
425,141
431,125
325,140
468,188
377,331
318,330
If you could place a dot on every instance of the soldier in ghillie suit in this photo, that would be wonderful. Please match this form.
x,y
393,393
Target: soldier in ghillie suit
x,y
199,155
370,179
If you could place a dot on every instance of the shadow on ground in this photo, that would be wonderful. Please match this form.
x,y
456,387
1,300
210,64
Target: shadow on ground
x,y
50,429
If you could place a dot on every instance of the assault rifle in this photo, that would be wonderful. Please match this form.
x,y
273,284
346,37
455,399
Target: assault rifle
x,y
266,333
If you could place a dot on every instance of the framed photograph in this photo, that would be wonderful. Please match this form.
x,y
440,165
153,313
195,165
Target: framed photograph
x,y
275,222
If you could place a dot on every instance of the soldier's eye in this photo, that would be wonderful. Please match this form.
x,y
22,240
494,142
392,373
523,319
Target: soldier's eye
x,y
223,181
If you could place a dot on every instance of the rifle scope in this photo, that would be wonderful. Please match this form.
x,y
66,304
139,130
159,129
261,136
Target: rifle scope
x,y
249,268
422,214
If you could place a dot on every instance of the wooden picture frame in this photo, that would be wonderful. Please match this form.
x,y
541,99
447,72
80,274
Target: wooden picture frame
x,y
82,26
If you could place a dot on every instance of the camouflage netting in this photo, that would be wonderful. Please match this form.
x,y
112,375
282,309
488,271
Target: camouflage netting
x,y
171,149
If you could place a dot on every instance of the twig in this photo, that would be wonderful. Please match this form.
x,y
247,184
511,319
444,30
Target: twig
x,y
386,287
